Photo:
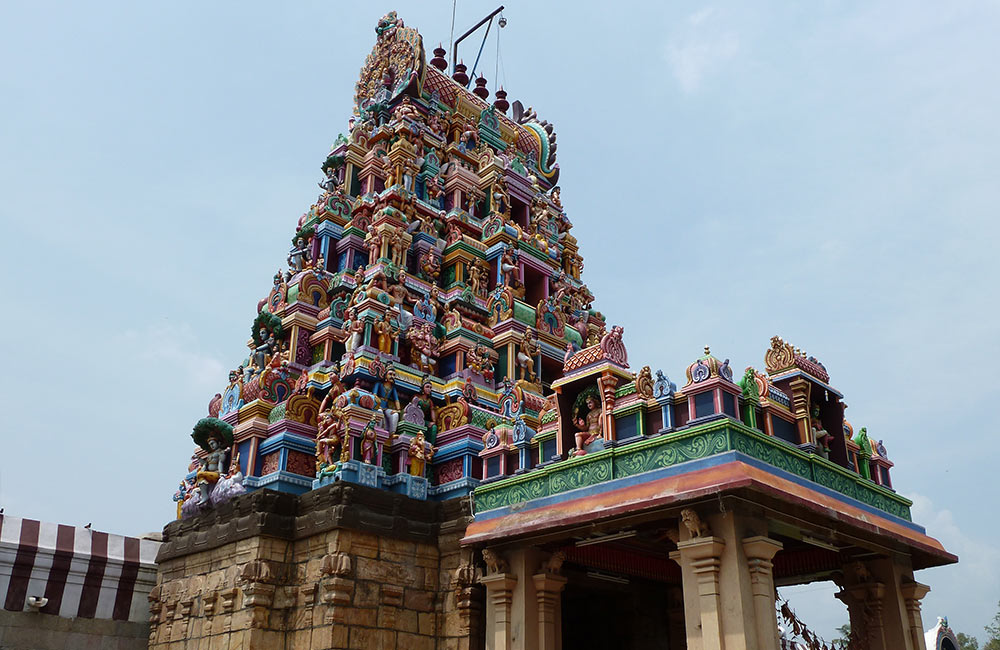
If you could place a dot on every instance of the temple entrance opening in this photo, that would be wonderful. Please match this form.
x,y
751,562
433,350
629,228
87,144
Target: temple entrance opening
x,y
605,610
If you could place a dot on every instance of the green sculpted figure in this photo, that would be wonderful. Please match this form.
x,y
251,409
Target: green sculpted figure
x,y
865,453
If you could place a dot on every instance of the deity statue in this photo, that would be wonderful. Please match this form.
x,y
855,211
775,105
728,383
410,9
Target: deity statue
x,y
426,404
554,195
499,199
485,361
590,425
215,437
526,355
369,442
424,346
477,277
430,266
331,181
405,111
397,243
262,352
508,267
425,309
419,456
822,437
435,193
385,390
332,425
386,333
374,245
354,328
300,257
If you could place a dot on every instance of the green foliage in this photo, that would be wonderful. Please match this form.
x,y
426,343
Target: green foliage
x,y
966,642
993,630
844,632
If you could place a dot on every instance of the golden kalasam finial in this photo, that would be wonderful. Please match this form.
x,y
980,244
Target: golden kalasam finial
x,y
707,351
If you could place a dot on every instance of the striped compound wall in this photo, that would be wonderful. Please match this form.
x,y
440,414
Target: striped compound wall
x,y
84,573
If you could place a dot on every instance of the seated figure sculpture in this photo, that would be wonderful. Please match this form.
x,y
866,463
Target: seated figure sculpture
x,y
587,418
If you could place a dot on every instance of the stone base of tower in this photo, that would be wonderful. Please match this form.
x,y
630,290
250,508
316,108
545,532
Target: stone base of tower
x,y
343,566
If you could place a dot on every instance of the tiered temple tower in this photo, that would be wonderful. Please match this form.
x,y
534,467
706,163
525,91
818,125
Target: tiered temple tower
x,y
432,339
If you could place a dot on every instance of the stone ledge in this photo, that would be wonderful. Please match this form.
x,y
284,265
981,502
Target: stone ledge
x,y
266,513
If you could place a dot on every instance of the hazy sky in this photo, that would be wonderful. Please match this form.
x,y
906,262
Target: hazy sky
x,y
826,171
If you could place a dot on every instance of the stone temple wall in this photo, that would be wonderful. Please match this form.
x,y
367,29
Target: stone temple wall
x,y
340,567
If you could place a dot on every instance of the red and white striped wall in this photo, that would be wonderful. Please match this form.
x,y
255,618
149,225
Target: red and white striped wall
x,y
84,573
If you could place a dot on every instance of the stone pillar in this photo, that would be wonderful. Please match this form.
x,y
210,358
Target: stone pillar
x,y
703,557
896,573
499,596
759,551
863,596
548,590
913,593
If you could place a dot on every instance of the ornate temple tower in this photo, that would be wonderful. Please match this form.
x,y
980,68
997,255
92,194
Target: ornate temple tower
x,y
444,445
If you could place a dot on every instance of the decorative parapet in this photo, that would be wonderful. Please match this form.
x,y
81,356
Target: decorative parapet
x,y
697,442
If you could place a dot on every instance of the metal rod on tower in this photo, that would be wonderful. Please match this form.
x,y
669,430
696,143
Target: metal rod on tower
x,y
454,54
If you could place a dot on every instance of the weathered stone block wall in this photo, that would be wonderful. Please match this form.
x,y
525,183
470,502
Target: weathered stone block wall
x,y
37,631
341,567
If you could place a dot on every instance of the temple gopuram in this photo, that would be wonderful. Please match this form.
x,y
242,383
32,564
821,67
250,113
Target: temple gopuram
x,y
436,442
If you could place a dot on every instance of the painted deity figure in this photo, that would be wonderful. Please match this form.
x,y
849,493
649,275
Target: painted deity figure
x,y
590,426
418,454
477,278
385,391
332,424
374,245
526,355
426,404
397,244
430,266
425,309
211,469
499,199
423,345
262,353
369,442
508,267
299,258
386,332
435,193
331,182
820,434
354,327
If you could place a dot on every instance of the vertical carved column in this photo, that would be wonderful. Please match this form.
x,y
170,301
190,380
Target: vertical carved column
x,y
337,589
864,605
913,593
800,406
466,588
760,551
548,589
703,555
499,595
607,384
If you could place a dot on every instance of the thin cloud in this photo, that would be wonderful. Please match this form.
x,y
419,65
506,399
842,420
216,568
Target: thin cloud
x,y
699,48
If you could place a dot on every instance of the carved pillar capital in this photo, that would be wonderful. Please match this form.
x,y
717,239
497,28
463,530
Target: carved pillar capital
x,y
913,593
760,552
336,593
548,587
703,557
499,596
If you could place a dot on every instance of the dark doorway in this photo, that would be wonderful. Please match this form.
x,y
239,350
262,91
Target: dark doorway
x,y
633,614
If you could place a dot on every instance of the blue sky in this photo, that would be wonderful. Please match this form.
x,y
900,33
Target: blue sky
x,y
826,172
